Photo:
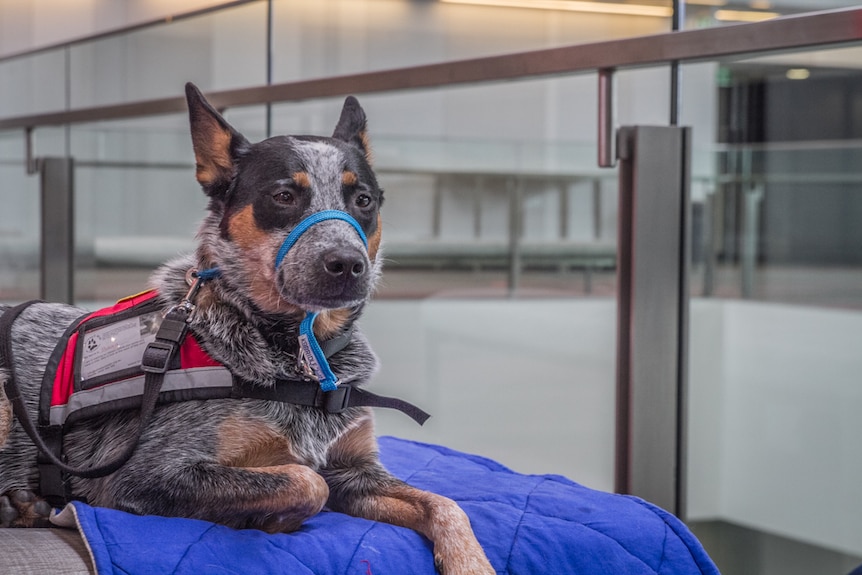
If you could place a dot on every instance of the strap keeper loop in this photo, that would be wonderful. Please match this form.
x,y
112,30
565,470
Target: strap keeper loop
x,y
157,357
337,400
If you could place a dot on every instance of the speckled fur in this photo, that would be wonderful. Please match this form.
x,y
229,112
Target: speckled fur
x,y
244,462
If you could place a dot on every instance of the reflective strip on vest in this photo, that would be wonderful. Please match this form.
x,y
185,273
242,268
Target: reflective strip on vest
x,y
197,383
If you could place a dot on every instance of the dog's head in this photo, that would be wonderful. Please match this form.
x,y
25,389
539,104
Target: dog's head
x,y
259,193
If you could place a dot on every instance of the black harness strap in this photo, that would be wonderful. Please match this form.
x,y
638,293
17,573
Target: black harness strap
x,y
332,346
54,485
308,393
362,397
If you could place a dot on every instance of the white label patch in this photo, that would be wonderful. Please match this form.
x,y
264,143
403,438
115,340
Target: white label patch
x,y
117,346
308,356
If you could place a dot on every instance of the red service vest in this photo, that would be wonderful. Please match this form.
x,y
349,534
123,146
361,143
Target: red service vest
x,y
96,368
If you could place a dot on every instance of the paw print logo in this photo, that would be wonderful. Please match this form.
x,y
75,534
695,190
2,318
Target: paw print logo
x,y
92,344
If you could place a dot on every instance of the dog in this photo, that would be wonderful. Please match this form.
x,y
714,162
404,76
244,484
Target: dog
x,y
248,462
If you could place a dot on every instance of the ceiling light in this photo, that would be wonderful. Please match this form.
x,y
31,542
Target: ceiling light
x,y
798,74
744,15
575,6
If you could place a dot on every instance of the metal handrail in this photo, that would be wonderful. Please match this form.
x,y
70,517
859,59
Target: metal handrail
x,y
786,33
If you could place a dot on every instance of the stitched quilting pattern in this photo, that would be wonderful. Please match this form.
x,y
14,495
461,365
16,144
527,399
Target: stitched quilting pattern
x,y
527,524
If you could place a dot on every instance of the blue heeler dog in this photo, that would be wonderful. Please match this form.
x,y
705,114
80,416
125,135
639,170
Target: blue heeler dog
x,y
247,461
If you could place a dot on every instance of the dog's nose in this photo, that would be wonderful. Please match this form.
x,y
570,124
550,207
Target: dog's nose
x,y
339,263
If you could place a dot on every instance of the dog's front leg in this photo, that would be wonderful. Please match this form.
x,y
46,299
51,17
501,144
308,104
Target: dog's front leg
x,y
274,499
360,486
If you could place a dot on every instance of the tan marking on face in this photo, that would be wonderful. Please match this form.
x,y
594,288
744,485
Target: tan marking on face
x,y
301,179
244,231
212,156
250,443
349,178
374,240
259,249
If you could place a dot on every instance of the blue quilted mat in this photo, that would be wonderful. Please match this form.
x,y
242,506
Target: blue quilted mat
x,y
528,524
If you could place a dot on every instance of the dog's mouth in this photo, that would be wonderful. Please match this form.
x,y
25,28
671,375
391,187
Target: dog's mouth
x,y
322,303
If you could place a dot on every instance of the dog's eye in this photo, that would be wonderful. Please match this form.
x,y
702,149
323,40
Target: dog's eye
x,y
363,200
284,197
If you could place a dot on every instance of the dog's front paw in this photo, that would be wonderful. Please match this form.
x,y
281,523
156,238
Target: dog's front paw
x,y
469,560
22,508
464,564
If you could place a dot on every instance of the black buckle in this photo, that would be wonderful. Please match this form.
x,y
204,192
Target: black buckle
x,y
157,357
337,400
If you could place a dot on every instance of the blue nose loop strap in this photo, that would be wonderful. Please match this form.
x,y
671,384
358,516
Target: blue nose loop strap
x,y
311,354
316,218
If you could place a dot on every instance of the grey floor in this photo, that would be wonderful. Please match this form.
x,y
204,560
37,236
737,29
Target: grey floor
x,y
737,550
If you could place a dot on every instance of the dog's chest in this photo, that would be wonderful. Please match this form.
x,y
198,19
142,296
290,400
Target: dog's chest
x,y
265,434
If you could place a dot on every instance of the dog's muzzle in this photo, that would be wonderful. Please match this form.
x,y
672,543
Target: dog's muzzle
x,y
316,218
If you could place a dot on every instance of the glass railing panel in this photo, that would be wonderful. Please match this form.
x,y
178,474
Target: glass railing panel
x,y
334,37
49,141
19,223
34,83
20,220
218,51
707,13
776,324
137,201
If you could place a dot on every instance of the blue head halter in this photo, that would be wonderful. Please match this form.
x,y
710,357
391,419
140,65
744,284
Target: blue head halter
x,y
311,354
316,218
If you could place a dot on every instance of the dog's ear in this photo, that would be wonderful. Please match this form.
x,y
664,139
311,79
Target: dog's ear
x,y
216,144
352,126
